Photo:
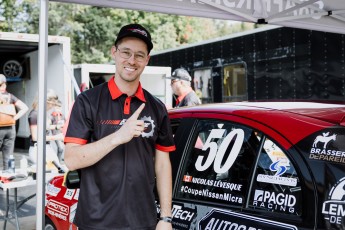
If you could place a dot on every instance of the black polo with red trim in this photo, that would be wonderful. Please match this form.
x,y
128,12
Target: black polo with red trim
x,y
117,191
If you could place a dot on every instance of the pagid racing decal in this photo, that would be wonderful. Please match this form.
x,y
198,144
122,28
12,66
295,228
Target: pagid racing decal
x,y
275,201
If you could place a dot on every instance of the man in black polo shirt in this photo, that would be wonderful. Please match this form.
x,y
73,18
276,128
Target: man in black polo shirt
x,y
119,135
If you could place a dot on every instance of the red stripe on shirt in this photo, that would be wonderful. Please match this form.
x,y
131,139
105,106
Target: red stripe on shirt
x,y
75,140
165,148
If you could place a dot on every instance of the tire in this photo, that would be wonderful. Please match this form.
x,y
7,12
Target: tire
x,y
12,68
49,225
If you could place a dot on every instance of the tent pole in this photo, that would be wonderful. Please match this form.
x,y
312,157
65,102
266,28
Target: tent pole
x,y
41,121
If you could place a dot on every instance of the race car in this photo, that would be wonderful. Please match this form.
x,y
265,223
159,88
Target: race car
x,y
60,205
246,166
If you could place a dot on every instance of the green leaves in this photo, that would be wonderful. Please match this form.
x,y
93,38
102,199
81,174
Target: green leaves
x,y
93,29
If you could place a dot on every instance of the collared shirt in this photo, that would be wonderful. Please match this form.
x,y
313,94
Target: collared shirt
x,y
188,99
117,191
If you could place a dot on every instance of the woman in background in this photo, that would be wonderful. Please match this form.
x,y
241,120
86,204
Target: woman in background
x,y
51,155
8,132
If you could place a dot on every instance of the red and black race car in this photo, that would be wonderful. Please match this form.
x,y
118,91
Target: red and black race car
x,y
247,166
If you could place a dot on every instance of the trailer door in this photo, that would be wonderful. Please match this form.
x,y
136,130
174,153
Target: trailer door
x,y
234,82
202,84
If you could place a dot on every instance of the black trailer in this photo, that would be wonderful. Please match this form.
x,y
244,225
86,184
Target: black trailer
x,y
269,63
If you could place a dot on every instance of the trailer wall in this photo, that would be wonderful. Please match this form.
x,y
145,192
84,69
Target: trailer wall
x,y
270,64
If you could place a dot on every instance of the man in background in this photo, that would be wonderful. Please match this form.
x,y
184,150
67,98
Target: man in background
x,y
181,86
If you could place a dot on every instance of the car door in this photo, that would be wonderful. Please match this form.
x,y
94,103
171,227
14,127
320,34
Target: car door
x,y
227,176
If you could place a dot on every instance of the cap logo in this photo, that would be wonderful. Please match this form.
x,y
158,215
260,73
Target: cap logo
x,y
142,32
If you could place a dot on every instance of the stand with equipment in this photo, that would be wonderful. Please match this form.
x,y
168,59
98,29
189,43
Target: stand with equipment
x,y
28,181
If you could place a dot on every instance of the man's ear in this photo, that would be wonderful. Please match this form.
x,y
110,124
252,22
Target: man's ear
x,y
148,59
112,51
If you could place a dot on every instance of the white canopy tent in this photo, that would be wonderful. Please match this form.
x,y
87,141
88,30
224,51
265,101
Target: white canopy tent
x,y
322,15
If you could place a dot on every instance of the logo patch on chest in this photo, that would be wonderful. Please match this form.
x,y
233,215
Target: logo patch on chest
x,y
149,127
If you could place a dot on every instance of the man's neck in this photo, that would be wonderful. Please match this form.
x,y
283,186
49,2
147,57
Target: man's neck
x,y
185,91
129,88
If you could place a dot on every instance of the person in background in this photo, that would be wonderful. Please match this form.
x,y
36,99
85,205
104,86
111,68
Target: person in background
x,y
51,155
58,119
8,133
119,136
181,86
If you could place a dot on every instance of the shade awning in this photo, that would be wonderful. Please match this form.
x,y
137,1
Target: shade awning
x,y
321,15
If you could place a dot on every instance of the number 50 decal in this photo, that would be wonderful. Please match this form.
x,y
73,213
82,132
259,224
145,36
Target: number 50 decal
x,y
216,154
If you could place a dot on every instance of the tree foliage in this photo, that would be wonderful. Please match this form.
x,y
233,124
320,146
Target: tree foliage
x,y
93,29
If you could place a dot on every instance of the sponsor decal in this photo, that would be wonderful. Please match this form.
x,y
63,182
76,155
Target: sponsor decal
x,y
275,201
272,179
213,183
276,154
57,215
69,194
320,149
226,220
278,168
52,190
182,216
334,208
179,212
58,207
217,146
325,139
213,195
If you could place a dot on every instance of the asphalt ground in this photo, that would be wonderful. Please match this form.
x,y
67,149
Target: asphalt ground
x,y
27,212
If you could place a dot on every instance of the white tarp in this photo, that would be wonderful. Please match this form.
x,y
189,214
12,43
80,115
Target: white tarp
x,y
322,15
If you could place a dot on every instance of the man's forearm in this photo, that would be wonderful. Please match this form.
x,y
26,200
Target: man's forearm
x,y
164,182
81,156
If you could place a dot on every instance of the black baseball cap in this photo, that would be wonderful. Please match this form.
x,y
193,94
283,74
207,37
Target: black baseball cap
x,y
180,74
135,30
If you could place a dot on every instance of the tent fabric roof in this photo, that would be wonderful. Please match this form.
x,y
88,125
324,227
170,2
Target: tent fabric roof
x,y
322,15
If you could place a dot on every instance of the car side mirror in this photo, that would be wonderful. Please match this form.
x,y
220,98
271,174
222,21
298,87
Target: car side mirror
x,y
72,179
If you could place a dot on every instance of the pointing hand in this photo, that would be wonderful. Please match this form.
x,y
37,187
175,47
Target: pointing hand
x,y
132,127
